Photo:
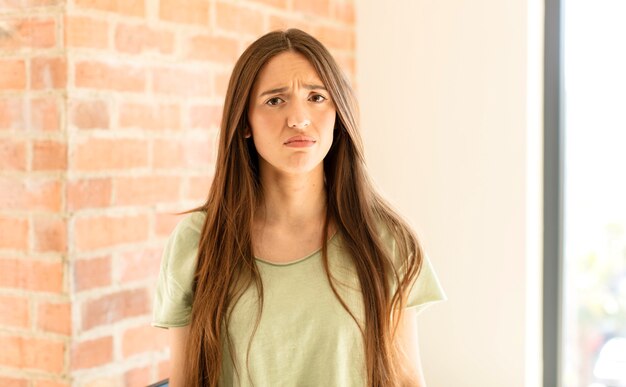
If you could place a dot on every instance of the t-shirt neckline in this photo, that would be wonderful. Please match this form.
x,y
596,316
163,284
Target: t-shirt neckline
x,y
300,259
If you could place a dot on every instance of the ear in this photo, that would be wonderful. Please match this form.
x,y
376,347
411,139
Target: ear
x,y
247,133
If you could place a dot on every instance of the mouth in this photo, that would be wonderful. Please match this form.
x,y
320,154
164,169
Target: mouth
x,y
300,140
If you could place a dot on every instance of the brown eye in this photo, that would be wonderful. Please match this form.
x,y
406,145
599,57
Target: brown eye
x,y
274,101
318,98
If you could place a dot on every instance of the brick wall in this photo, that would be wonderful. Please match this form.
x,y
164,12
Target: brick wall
x,y
109,112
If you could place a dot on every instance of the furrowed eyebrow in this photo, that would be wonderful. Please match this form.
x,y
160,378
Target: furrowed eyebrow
x,y
283,89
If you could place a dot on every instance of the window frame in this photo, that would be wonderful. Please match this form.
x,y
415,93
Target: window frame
x,y
553,188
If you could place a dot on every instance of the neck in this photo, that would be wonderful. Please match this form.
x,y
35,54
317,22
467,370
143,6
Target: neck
x,y
292,200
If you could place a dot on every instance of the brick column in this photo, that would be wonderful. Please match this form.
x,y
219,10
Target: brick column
x,y
109,111
35,324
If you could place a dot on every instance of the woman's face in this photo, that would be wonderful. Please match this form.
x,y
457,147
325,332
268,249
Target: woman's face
x,y
291,116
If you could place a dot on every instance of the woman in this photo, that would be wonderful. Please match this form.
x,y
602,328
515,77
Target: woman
x,y
247,292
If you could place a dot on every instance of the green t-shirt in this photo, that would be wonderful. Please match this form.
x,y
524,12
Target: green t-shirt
x,y
305,336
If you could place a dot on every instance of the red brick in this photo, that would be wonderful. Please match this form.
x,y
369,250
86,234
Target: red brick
x,y
98,75
12,74
30,194
114,307
137,377
87,114
181,82
240,19
11,113
88,193
318,8
14,311
48,73
105,231
205,116
96,154
22,4
282,23
31,275
146,190
221,84
168,154
92,273
29,34
12,154
32,353
135,39
49,155
105,381
199,152
14,233
92,353
50,234
139,265
344,11
198,188
165,223
274,3
123,7
55,317
51,383
335,38
44,114
12,382
213,48
86,32
143,339
163,370
346,63
185,11
146,116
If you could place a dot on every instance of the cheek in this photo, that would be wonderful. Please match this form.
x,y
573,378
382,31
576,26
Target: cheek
x,y
266,122
327,122
256,121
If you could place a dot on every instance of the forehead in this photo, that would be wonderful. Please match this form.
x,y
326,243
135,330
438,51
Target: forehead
x,y
285,68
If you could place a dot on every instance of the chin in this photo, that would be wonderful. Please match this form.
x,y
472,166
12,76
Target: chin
x,y
292,166
303,169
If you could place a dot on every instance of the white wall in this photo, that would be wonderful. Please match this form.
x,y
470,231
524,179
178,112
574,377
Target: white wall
x,y
450,95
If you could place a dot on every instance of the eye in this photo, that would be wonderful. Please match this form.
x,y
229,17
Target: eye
x,y
318,98
274,101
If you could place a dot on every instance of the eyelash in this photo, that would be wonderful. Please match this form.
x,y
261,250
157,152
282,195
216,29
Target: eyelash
x,y
314,96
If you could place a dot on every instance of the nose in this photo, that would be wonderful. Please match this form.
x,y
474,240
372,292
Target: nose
x,y
298,117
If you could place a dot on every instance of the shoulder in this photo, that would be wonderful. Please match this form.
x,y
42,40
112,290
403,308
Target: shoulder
x,y
425,288
189,228
173,298
388,239
181,249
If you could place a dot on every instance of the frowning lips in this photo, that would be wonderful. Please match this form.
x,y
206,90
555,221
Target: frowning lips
x,y
299,139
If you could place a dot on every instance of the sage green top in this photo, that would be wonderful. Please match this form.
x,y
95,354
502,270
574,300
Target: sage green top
x,y
305,336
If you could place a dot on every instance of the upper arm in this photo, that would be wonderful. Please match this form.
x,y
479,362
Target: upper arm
x,y
174,291
409,347
178,342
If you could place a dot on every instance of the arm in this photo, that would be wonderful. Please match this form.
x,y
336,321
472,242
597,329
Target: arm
x,y
178,340
408,344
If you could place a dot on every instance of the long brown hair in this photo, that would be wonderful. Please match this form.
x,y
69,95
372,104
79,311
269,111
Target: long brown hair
x,y
226,265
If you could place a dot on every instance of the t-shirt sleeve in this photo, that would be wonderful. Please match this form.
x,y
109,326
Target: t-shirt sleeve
x,y
426,290
173,296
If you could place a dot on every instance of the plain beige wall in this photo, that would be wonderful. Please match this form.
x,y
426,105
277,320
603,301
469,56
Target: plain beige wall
x,y
450,95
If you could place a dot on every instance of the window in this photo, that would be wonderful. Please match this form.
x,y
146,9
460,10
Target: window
x,y
585,194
